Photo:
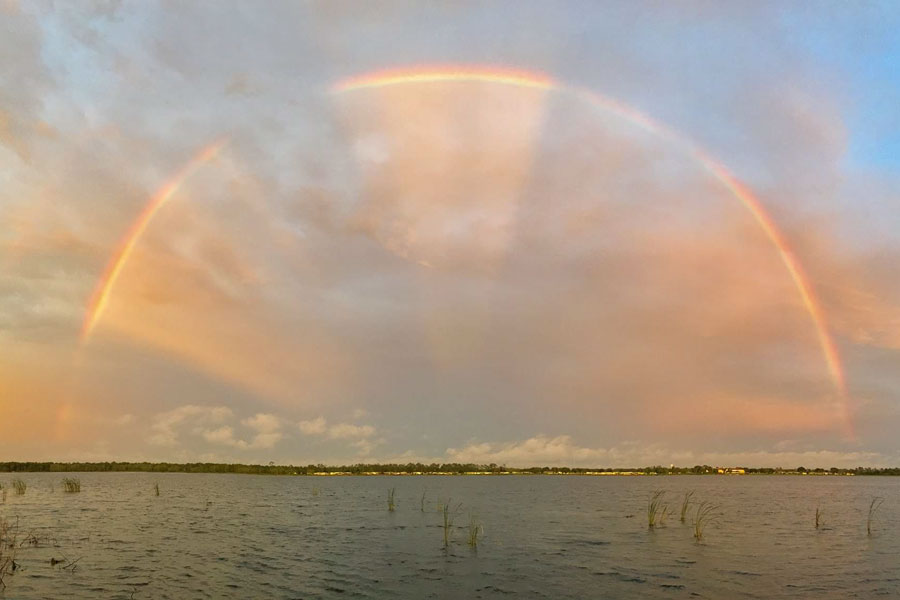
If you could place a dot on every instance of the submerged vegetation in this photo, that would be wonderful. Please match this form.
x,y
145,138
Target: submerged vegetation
x,y
874,505
71,485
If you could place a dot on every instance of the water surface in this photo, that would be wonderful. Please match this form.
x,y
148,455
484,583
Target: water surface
x,y
242,536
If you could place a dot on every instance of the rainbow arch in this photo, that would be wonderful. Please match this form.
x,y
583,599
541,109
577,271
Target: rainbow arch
x,y
535,80
106,283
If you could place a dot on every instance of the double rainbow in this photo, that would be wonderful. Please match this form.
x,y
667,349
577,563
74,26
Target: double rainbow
x,y
521,79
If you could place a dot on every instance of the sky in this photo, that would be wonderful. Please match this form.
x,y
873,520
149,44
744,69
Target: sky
x,y
525,233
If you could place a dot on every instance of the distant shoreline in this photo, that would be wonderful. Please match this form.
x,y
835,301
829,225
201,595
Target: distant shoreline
x,y
418,469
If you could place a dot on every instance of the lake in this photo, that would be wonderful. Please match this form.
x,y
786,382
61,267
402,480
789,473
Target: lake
x,y
243,536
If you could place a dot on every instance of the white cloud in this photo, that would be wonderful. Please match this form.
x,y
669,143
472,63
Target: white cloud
x,y
366,446
339,431
266,440
209,423
344,431
165,424
314,427
267,427
263,423
542,450
222,435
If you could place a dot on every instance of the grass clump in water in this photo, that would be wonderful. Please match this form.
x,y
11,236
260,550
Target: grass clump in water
x,y
422,502
8,534
703,516
874,505
391,505
71,485
448,514
685,504
156,488
19,486
819,520
475,528
657,509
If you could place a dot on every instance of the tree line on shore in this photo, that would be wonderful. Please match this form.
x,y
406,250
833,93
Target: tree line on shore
x,y
392,468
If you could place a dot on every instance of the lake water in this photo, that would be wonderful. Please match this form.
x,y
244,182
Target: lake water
x,y
240,536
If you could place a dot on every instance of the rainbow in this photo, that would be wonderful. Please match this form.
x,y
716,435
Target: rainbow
x,y
106,283
526,79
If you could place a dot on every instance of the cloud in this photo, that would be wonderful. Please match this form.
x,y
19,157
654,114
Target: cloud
x,y
345,431
268,428
265,440
366,446
240,85
561,450
169,427
165,425
492,259
314,427
222,435
24,79
263,423
413,141
338,431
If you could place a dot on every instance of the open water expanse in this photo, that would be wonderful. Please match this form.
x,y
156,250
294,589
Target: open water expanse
x,y
244,536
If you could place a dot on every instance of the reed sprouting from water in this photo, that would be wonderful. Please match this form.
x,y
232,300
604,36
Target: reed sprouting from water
x,y
422,502
2,493
448,514
391,505
19,486
704,515
475,528
156,488
448,522
8,534
873,508
685,504
819,521
71,485
657,509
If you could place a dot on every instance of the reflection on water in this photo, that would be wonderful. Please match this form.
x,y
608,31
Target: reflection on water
x,y
233,536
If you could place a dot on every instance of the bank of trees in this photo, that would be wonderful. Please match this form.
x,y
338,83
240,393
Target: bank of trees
x,y
390,468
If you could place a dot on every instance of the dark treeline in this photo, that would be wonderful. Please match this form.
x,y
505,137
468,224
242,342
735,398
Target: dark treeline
x,y
390,468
